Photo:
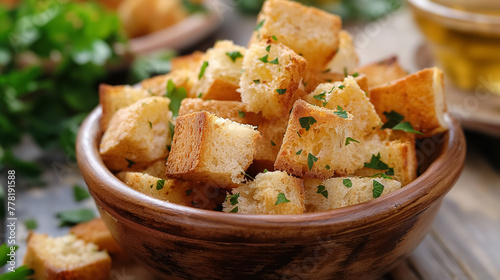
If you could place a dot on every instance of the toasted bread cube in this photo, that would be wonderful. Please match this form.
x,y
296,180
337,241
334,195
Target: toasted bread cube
x,y
114,98
268,146
418,97
399,154
270,193
211,149
157,169
312,79
349,96
232,110
383,72
217,75
137,135
345,191
188,62
346,58
96,232
158,85
308,31
320,151
66,257
270,79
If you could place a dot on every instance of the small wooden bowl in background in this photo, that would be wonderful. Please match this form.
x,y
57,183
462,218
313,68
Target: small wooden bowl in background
x,y
357,242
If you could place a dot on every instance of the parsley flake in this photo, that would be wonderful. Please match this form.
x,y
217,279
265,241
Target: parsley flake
x,y
265,170
150,124
281,91
268,48
341,113
377,164
188,192
327,167
306,122
378,189
241,114
347,183
299,152
176,95
234,55
264,59
235,210
130,162
202,70
321,97
233,199
259,25
393,118
322,190
407,127
355,75
159,184
345,72
382,175
274,38
275,61
256,81
311,159
272,143
348,140
341,87
281,199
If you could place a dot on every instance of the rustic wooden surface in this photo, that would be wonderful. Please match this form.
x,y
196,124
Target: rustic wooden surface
x,y
465,240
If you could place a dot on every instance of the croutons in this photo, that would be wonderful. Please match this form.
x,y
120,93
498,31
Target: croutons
x,y
270,193
233,110
268,146
418,97
212,149
315,143
66,257
340,192
310,32
272,74
219,72
346,59
313,79
349,96
137,135
158,85
383,72
96,232
114,98
188,62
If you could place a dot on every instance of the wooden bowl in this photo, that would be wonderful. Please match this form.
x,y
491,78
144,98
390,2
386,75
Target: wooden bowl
x,y
357,242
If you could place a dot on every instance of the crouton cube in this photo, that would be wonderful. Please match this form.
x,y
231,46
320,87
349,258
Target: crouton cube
x,y
383,72
156,169
268,146
270,193
158,85
308,31
137,135
66,257
219,72
96,232
316,143
346,59
232,110
340,192
114,98
349,96
312,79
271,77
398,152
418,97
211,149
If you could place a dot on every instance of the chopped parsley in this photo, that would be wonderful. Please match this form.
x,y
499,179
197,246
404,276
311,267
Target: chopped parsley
x,y
264,59
341,113
348,140
322,190
281,199
327,167
256,81
159,184
376,163
189,192
382,175
150,124
275,61
202,70
299,152
407,127
272,143
306,122
311,159
355,74
176,95
393,118
265,170
326,71
235,210
151,186
80,193
200,94
268,48
378,189
130,162
345,72
274,38
341,87
281,91
234,55
247,175
259,25
347,183
299,134
233,199
321,97
241,114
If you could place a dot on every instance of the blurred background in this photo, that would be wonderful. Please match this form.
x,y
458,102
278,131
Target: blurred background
x,y
55,53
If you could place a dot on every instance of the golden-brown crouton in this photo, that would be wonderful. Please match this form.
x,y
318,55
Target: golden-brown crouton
x,y
418,97
270,193
308,31
156,169
137,135
114,98
219,72
315,143
349,96
211,149
66,257
340,192
96,232
268,146
158,85
346,59
313,79
383,72
271,77
233,110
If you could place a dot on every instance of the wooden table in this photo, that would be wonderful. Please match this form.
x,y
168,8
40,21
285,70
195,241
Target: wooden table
x,y
465,240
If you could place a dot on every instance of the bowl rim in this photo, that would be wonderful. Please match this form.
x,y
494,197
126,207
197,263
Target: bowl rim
x,y
119,199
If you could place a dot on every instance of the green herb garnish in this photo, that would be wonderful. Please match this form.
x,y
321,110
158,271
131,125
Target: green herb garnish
x,y
274,38
345,72
393,118
327,167
382,175
407,127
272,143
189,192
355,75
274,61
268,48
259,25
202,69
341,87
80,193
235,210
159,184
233,199
281,91
241,114
256,81
281,199
234,55
341,113
311,159
130,162
322,190
299,152
176,95
73,217
264,59
348,140
150,125
378,189
347,183
306,122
